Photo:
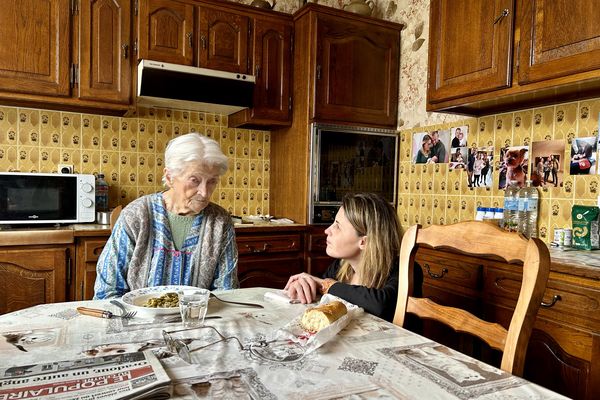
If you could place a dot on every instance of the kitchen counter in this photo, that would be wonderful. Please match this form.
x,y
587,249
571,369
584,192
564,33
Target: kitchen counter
x,y
15,236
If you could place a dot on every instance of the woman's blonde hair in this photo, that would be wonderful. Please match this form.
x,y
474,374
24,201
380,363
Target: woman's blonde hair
x,y
373,217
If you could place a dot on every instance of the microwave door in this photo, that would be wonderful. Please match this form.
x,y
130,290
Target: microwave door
x,y
37,199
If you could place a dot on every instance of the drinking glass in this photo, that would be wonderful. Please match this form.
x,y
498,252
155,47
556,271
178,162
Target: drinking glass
x,y
193,304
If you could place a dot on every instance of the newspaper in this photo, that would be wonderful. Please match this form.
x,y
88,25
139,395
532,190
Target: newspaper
x,y
136,375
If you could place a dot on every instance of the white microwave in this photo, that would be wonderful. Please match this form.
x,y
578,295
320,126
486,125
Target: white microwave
x,y
37,198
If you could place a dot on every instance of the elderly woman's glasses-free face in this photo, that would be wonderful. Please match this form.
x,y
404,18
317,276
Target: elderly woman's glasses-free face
x,y
274,350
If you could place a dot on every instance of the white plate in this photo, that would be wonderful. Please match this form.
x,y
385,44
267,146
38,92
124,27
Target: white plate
x,y
135,299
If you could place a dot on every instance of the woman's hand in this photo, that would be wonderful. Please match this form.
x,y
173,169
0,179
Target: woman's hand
x,y
303,287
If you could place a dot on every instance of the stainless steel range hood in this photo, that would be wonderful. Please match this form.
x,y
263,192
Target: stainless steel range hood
x,y
168,85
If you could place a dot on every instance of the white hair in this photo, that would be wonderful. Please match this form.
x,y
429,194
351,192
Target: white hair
x,y
193,147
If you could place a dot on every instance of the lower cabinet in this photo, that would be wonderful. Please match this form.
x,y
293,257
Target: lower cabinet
x,y
88,250
32,275
317,260
564,349
269,255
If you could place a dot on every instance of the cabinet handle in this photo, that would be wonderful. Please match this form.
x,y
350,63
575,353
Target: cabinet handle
x,y
555,298
255,250
433,275
189,38
257,71
203,40
318,72
125,48
504,13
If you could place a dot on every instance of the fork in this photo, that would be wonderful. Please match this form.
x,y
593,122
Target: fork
x,y
124,312
236,302
95,312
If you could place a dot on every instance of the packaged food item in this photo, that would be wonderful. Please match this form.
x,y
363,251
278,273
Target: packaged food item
x,y
585,221
317,318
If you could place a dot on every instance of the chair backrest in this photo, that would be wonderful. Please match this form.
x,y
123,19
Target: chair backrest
x,y
114,215
479,239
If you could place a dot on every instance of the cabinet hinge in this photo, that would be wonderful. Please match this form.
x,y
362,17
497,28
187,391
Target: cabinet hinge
x,y
135,49
74,75
74,7
135,8
517,56
290,104
292,45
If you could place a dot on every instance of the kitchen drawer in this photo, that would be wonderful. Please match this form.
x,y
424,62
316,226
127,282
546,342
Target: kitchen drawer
x,y
92,249
447,272
317,242
562,298
269,244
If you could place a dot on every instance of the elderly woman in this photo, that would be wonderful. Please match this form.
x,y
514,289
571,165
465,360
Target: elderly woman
x,y
365,240
176,237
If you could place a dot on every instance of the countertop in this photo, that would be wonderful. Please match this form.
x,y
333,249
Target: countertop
x,y
15,236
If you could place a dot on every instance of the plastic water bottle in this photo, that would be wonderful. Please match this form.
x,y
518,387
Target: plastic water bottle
x,y
101,193
498,213
489,213
480,213
510,220
528,210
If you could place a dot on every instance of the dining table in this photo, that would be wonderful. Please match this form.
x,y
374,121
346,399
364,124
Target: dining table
x,y
368,358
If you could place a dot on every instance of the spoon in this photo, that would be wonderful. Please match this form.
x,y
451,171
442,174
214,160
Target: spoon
x,y
236,302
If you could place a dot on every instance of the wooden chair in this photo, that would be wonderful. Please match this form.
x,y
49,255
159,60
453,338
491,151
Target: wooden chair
x,y
114,215
479,239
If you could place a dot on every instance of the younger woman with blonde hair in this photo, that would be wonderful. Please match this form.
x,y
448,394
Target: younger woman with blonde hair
x,y
365,240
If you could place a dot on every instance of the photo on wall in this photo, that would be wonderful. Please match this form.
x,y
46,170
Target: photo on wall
x,y
458,158
513,165
483,167
459,136
431,147
547,163
583,156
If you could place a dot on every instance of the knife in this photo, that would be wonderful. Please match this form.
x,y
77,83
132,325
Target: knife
x,y
95,312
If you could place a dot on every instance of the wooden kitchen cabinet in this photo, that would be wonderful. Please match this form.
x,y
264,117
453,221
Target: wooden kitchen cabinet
x,y
489,57
564,349
272,69
66,55
32,275
268,256
335,82
356,70
87,250
317,260
35,47
558,38
469,52
105,51
495,56
223,39
196,34
166,31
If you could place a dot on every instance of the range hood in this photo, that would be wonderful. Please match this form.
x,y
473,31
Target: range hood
x,y
168,85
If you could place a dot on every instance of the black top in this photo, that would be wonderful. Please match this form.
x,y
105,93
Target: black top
x,y
379,302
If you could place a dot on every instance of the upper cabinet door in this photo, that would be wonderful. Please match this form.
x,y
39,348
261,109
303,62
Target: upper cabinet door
x,y
272,70
166,31
470,47
34,55
105,51
223,41
356,76
558,38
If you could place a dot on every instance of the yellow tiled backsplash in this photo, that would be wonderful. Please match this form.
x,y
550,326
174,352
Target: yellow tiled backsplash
x,y
432,194
130,151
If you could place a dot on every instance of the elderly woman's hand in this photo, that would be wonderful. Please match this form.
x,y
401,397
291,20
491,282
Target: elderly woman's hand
x,y
303,287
